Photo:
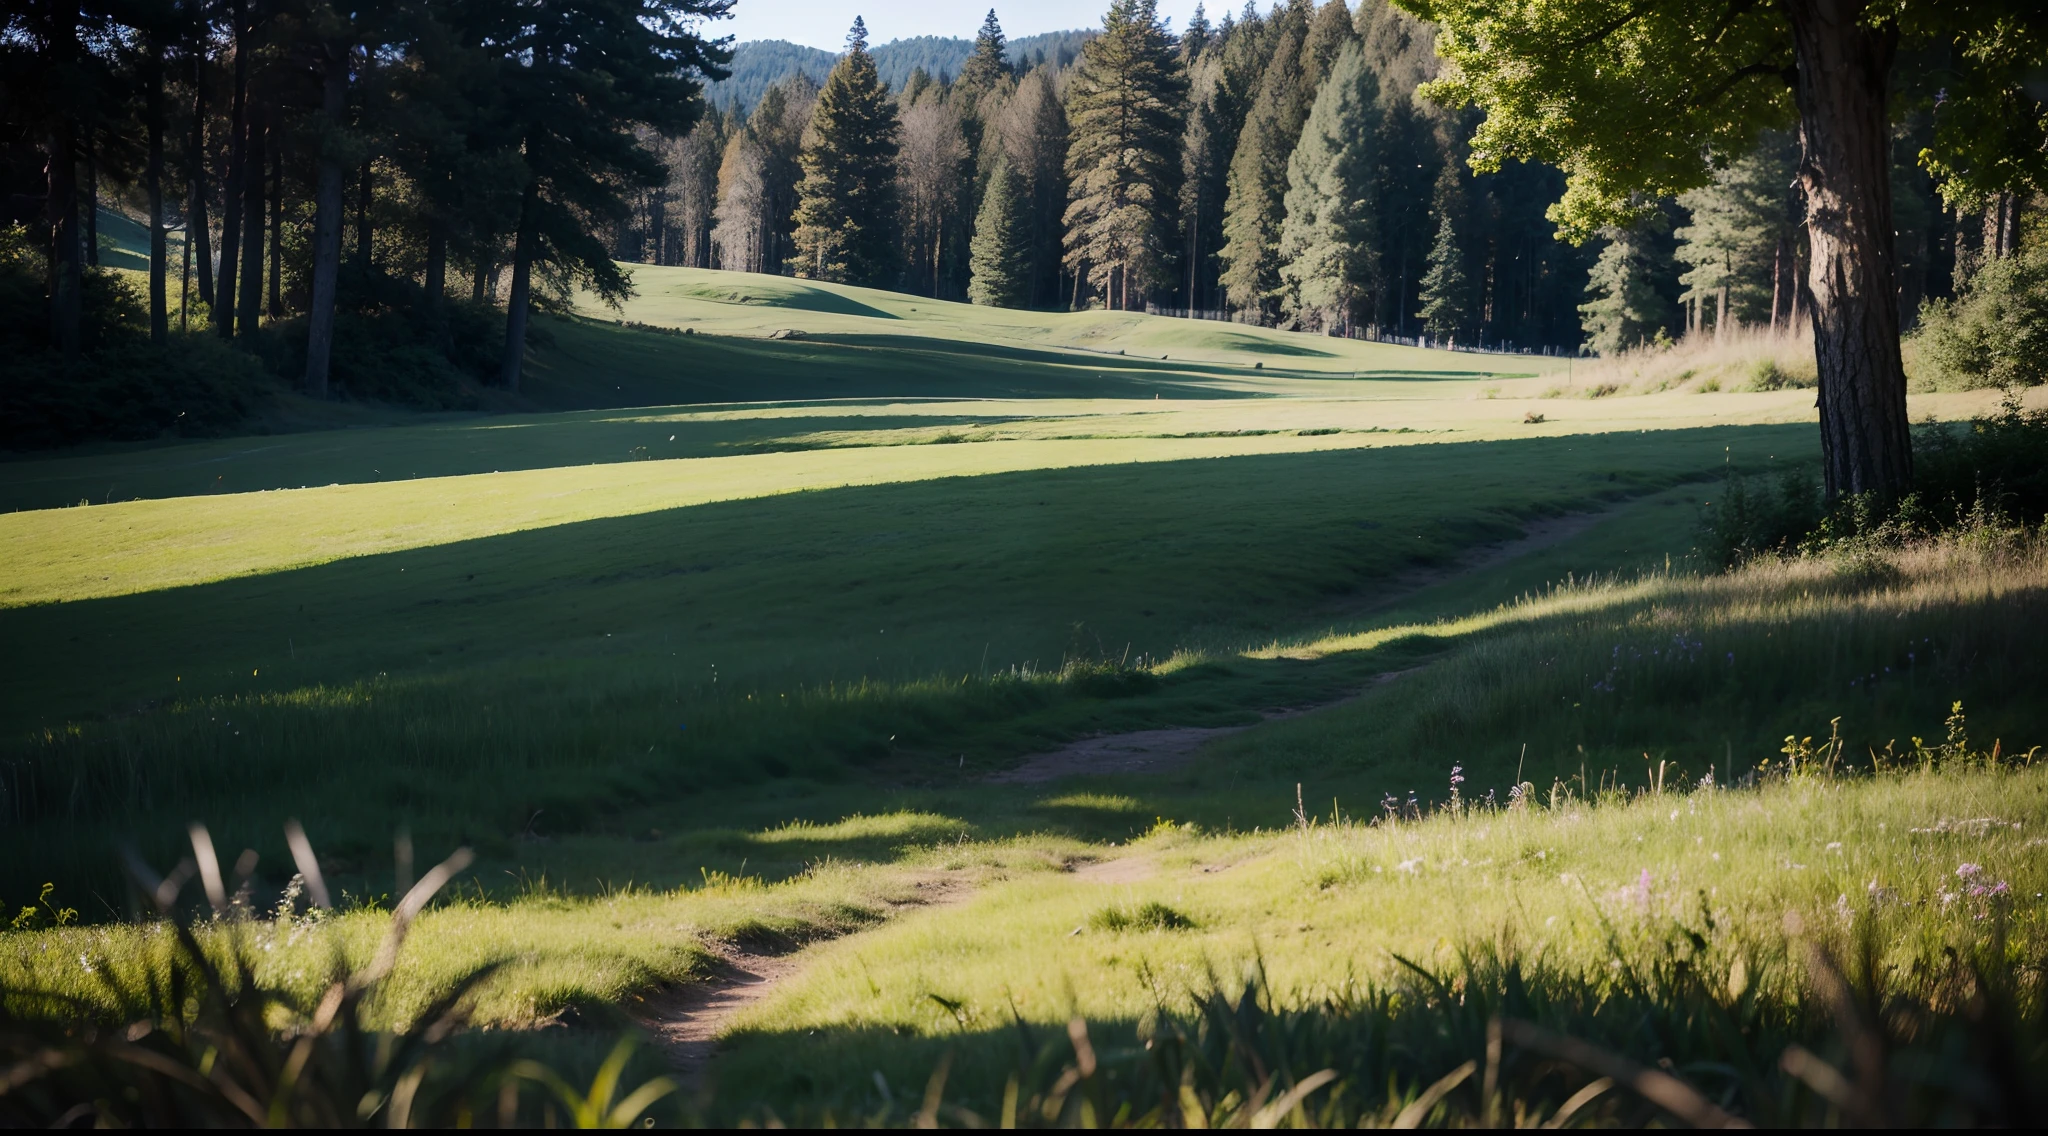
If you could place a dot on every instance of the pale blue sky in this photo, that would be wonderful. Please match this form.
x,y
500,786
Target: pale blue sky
x,y
823,23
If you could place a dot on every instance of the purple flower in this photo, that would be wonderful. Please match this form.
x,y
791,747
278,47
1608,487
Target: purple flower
x,y
1967,871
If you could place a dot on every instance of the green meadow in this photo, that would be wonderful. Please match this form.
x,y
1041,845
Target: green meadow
x,y
717,636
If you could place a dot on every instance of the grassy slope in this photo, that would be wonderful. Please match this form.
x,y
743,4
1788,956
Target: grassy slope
x,y
531,670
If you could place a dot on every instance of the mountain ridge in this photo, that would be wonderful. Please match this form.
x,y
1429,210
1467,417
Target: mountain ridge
x,y
760,63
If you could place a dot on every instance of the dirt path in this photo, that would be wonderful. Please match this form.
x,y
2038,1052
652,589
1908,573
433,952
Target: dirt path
x,y
689,1021
1160,751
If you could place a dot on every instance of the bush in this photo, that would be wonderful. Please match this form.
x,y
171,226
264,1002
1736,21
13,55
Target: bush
x,y
1755,517
1995,333
1996,465
122,387
1991,473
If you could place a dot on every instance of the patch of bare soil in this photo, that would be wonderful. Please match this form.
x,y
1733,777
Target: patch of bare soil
x,y
689,1020
1145,751
1125,870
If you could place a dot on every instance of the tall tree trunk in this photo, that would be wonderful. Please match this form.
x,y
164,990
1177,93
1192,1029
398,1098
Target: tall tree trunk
x,y
159,258
1845,169
276,223
67,306
363,219
197,224
250,304
327,209
434,286
1777,280
522,280
185,284
91,205
231,185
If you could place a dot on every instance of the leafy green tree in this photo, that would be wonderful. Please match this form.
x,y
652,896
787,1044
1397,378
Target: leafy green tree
x,y
1627,304
1634,97
1123,163
1000,256
1329,244
846,215
1446,292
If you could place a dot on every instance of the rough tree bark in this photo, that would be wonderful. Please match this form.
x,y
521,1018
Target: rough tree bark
x,y
327,206
1845,170
231,185
67,286
434,289
522,285
198,237
250,303
276,223
363,245
159,253
224,285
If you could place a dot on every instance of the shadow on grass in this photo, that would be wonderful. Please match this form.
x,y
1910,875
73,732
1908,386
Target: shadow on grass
x,y
793,295
737,665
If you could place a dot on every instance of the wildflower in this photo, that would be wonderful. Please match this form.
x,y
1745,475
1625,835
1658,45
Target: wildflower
x,y
1968,871
1409,866
1834,846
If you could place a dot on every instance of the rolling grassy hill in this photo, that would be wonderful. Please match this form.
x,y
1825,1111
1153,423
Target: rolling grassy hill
x,y
717,643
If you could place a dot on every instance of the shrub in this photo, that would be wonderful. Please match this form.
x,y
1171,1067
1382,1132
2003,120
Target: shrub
x,y
1996,465
123,387
1755,517
1996,332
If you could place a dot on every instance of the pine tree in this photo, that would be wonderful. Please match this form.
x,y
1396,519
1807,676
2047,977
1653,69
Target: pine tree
x,y
1732,247
1445,291
1255,207
1205,163
1001,253
846,218
989,64
1197,38
1031,130
1327,34
1626,304
1329,244
1123,163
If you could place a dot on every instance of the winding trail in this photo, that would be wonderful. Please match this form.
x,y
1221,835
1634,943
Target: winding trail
x,y
689,1021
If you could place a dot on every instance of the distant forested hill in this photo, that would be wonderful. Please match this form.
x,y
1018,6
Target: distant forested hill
x,y
758,64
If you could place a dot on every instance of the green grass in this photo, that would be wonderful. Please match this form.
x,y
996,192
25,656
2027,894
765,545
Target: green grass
x,y
728,652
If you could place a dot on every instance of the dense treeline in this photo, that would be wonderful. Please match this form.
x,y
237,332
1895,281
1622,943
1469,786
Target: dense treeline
x,y
1277,167
1229,169
344,173
376,199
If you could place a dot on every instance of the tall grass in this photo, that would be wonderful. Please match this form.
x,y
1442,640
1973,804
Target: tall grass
x,y
1744,359
1605,679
